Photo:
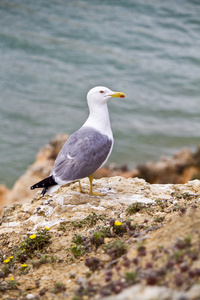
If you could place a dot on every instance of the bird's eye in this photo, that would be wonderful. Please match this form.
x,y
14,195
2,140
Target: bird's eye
x,y
101,92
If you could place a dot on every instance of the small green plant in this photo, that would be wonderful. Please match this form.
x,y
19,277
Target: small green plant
x,y
62,227
77,250
8,265
59,287
183,243
179,256
119,228
159,202
12,284
37,241
24,269
141,249
76,298
130,277
115,249
134,207
162,204
188,240
89,221
159,219
44,259
32,243
88,274
97,238
77,239
186,195
6,269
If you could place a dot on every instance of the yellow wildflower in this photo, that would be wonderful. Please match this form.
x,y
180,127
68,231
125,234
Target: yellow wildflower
x,y
6,260
11,257
33,236
24,265
74,246
12,279
46,228
117,223
22,244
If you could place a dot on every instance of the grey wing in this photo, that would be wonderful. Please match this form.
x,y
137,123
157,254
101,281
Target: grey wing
x,y
83,153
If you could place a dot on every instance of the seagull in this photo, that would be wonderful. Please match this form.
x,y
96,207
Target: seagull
x,y
87,149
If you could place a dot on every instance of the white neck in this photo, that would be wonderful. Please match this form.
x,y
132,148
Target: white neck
x,y
99,119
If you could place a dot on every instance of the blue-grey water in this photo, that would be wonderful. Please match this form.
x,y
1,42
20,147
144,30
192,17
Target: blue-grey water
x,y
53,51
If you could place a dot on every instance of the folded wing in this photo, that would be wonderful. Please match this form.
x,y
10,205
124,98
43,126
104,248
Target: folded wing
x,y
84,152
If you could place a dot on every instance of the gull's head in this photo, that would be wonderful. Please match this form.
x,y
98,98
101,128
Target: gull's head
x,y
100,95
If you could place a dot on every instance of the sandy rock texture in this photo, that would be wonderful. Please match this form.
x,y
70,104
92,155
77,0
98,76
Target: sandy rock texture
x,y
139,238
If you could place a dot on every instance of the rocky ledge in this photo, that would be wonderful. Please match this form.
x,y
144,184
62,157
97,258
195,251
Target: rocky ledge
x,y
140,238
182,167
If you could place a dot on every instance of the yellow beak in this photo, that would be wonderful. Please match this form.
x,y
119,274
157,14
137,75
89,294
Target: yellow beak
x,y
118,95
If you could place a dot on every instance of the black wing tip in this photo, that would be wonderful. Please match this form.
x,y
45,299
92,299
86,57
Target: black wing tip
x,y
36,186
45,183
33,186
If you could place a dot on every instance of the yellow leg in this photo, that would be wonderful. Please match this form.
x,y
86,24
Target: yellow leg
x,y
92,193
80,188
91,187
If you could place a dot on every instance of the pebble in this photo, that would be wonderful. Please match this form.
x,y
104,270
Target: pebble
x,y
107,240
30,296
104,258
72,275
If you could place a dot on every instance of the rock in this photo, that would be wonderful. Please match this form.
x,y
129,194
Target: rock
x,y
180,168
104,257
194,292
7,211
30,296
4,191
71,219
147,293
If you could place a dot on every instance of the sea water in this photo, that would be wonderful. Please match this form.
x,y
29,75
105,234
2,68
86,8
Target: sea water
x,y
53,51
